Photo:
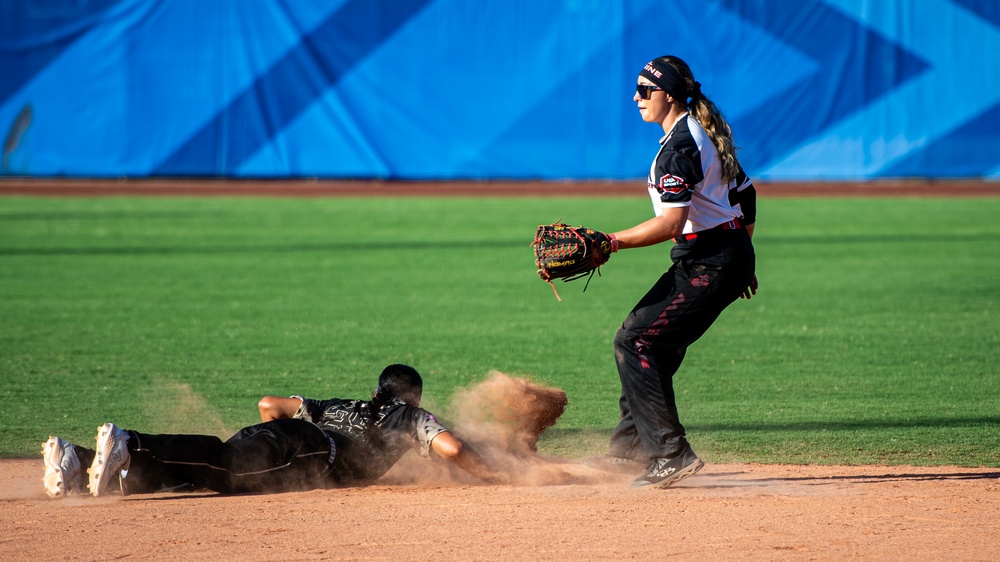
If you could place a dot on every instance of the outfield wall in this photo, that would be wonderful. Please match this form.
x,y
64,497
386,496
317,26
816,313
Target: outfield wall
x,y
490,89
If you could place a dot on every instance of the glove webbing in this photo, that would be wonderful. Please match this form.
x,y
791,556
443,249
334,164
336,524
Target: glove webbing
x,y
563,251
590,275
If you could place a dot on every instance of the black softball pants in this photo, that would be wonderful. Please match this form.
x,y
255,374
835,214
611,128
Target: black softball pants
x,y
707,275
276,456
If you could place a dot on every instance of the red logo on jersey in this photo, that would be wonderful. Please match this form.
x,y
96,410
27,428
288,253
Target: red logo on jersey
x,y
672,184
700,281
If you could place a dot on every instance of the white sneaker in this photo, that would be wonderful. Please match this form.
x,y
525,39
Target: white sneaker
x,y
62,467
111,458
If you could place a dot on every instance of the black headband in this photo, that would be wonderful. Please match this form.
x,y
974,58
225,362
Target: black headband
x,y
671,81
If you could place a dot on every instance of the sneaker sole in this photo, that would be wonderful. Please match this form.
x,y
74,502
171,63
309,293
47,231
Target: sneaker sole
x,y
99,473
54,479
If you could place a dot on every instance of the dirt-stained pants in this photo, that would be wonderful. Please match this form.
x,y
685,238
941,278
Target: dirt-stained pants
x,y
707,275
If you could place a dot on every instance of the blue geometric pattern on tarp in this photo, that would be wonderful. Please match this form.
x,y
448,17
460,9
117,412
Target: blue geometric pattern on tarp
x,y
474,120
972,149
847,80
218,51
33,32
989,10
426,89
958,154
621,138
291,85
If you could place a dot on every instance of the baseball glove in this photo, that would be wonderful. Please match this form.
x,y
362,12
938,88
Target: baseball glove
x,y
569,253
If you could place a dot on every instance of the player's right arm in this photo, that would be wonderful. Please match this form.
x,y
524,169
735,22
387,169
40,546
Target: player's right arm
x,y
453,449
655,230
278,407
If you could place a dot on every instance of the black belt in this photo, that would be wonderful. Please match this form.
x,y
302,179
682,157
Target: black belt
x,y
733,224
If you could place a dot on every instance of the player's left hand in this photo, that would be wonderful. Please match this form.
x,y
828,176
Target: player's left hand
x,y
751,290
568,253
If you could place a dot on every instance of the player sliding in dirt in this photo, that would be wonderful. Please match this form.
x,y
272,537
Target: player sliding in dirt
x,y
302,444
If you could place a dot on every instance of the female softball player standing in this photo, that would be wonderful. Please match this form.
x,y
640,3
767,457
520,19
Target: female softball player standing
x,y
704,201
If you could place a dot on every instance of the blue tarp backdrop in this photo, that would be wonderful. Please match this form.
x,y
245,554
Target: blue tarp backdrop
x,y
458,89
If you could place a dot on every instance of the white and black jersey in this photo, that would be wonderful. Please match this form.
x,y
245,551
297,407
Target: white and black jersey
x,y
370,440
687,173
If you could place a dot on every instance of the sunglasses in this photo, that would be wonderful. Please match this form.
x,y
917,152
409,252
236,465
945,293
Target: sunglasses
x,y
645,91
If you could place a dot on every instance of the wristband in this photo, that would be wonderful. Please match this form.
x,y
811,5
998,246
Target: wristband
x,y
614,243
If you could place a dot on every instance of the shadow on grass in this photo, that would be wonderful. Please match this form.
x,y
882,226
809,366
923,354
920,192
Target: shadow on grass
x,y
849,425
579,442
352,247
362,246
980,421
106,215
880,238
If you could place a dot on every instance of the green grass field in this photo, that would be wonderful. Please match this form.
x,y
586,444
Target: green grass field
x,y
874,338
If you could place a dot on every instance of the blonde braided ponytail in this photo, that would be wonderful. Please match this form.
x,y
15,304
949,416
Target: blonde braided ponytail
x,y
711,119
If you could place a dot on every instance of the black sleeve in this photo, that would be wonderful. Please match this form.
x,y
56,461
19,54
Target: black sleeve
x,y
747,200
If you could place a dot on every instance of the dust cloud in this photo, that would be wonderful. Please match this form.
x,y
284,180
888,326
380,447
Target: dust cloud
x,y
507,413
179,409
503,418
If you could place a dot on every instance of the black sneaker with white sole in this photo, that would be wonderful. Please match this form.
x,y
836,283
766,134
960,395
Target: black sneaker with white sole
x,y
663,472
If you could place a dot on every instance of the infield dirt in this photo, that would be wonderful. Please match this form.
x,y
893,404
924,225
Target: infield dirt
x,y
725,512
553,509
